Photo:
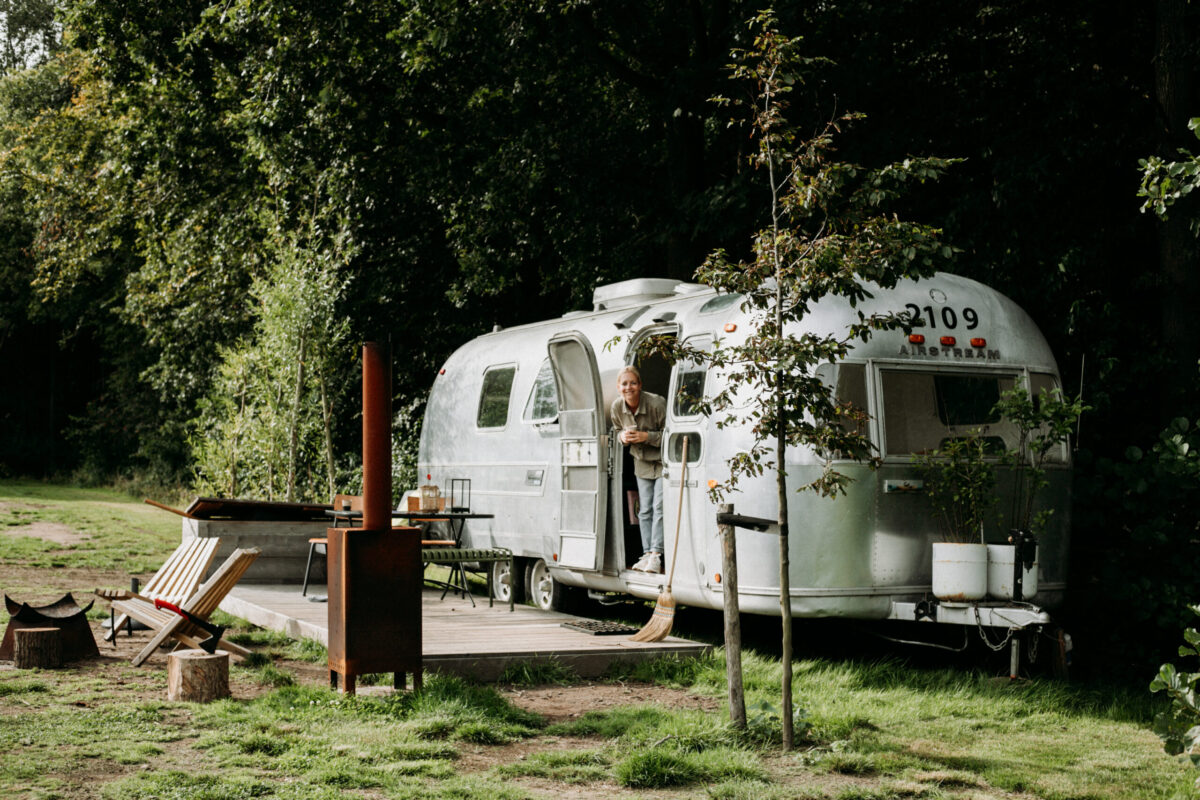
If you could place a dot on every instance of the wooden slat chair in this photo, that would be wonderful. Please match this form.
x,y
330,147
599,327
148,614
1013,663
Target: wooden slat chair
x,y
203,603
176,580
317,545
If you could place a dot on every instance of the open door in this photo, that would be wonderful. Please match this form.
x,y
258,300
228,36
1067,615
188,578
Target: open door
x,y
583,426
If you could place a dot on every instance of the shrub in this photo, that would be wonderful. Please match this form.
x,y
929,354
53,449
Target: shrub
x,y
1179,725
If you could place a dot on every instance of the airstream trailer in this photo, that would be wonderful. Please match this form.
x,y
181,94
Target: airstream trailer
x,y
523,414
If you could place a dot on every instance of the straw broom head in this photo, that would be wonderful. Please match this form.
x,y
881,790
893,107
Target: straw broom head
x,y
659,626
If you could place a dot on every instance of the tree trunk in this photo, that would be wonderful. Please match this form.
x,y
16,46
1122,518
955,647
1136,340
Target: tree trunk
x,y
237,435
785,586
1179,280
294,425
327,418
733,622
194,676
37,648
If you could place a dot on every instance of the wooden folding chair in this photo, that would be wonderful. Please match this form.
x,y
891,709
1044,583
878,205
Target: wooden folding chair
x,y
176,580
203,603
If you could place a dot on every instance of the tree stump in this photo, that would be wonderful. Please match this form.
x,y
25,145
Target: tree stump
x,y
37,648
194,676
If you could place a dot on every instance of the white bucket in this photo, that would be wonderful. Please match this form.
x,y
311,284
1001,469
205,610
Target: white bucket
x,y
1001,558
960,571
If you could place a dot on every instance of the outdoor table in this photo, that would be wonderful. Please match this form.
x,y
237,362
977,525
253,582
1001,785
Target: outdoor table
x,y
348,516
447,551
455,520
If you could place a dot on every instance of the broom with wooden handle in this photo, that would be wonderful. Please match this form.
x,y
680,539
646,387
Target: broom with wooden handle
x,y
659,626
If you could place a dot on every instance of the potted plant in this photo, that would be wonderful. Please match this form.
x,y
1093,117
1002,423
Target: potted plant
x,y
1043,423
960,483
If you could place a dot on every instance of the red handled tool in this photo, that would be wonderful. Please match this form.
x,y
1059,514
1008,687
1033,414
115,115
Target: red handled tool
x,y
215,632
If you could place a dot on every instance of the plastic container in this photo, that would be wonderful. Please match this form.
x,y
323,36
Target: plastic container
x,y
1001,558
960,571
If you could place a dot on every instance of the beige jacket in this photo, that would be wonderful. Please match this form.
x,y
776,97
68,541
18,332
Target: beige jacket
x,y
651,416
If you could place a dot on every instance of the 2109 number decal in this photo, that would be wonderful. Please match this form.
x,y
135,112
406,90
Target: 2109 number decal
x,y
949,317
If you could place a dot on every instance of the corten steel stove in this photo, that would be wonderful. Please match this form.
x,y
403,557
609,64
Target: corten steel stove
x,y
375,571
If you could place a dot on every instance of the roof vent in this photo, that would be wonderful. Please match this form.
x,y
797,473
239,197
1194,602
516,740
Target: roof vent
x,y
632,293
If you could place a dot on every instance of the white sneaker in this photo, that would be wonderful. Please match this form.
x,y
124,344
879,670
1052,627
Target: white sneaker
x,y
643,562
654,563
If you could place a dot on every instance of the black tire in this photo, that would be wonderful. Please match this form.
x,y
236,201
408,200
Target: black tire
x,y
545,592
503,582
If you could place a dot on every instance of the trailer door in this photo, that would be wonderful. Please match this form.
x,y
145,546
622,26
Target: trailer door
x,y
583,427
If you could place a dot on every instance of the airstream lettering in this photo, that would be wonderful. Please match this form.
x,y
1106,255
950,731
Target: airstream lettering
x,y
522,413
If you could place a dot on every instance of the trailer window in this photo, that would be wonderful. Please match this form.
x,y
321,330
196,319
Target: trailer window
x,y
921,410
675,447
720,303
690,378
848,383
690,390
542,405
493,398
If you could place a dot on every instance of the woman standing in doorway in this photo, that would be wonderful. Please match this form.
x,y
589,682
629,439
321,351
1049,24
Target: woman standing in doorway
x,y
639,417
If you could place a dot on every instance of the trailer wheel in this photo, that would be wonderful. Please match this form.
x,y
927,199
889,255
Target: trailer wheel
x,y
508,579
545,592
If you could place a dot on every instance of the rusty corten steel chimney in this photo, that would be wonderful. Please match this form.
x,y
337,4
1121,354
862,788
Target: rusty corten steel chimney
x,y
377,437
375,570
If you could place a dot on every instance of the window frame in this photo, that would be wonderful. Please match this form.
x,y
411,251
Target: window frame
x,y
702,341
1018,374
546,366
871,429
511,365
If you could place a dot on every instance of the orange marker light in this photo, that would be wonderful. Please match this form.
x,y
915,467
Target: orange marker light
x,y
948,341
730,327
717,577
978,342
555,556
442,371
916,338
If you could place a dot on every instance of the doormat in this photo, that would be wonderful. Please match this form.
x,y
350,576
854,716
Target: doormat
x,y
598,627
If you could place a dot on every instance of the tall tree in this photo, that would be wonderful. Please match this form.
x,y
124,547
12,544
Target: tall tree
x,y
830,237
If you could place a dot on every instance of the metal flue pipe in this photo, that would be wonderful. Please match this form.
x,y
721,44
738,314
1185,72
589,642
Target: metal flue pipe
x,y
377,437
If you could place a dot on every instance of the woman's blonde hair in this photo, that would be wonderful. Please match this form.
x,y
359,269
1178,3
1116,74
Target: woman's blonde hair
x,y
632,369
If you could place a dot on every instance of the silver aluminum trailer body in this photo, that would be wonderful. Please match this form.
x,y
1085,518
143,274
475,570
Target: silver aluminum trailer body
x,y
523,414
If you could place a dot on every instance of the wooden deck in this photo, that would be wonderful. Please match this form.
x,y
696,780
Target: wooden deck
x,y
478,642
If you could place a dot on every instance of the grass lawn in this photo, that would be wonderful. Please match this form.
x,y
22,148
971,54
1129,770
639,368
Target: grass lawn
x,y
875,731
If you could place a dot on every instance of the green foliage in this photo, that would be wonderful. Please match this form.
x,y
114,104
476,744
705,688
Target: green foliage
x,y
666,670
179,785
267,426
1043,424
29,34
1179,726
764,723
22,687
656,769
960,483
525,673
570,767
255,660
1149,500
660,767
1165,183
271,675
